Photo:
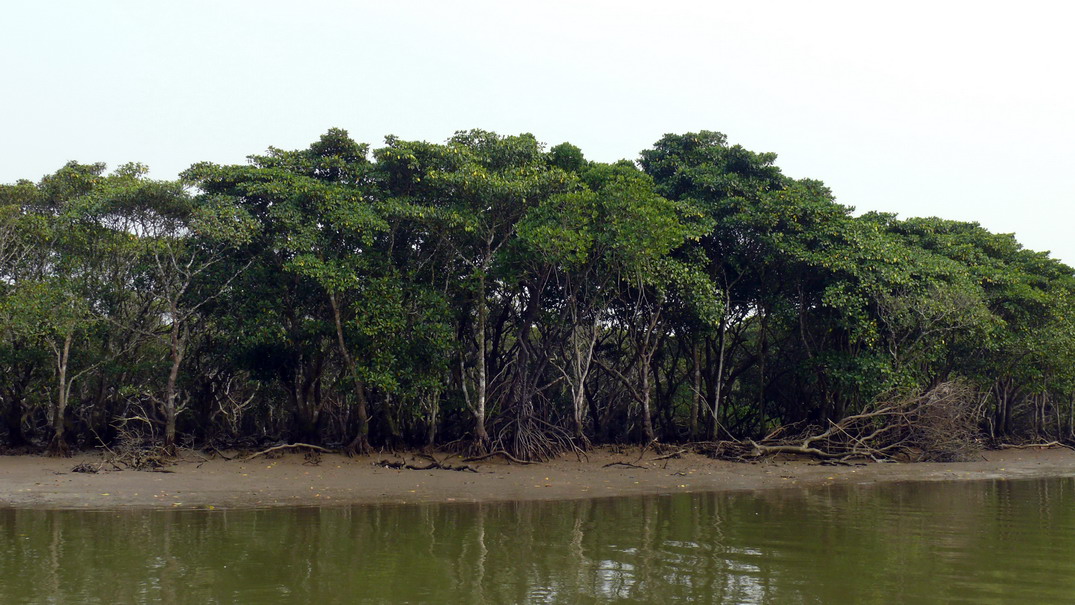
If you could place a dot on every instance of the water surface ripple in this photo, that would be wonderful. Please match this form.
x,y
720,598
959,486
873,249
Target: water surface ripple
x,y
961,542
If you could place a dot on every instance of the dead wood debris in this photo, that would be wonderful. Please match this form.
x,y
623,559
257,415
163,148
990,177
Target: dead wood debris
x,y
675,454
503,453
89,467
433,464
277,448
938,426
133,454
1021,446
627,464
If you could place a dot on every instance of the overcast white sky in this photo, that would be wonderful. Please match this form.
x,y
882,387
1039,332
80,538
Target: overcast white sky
x,y
962,110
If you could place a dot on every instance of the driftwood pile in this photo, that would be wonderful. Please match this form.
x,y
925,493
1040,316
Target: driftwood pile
x,y
937,426
129,456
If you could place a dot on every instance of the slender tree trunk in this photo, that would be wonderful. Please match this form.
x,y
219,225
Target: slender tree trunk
x,y
481,436
1003,393
1007,423
645,360
696,395
390,420
719,386
177,342
578,393
647,419
361,443
1071,417
431,427
582,353
58,445
644,367
1059,421
762,353
1036,407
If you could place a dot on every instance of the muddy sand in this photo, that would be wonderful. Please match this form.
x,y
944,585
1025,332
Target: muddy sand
x,y
194,482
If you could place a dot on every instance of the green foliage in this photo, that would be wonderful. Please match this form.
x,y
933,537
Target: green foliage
x,y
488,285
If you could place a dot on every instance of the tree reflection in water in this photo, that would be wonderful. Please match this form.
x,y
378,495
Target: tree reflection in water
x,y
914,542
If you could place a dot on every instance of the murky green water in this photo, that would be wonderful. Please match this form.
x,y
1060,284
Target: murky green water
x,y
980,542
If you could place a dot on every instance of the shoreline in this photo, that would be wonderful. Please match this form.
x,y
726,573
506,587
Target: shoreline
x,y
30,481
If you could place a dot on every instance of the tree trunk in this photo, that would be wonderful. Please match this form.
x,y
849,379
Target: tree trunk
x,y
582,352
302,387
58,444
529,440
579,411
647,420
431,418
361,443
578,389
176,346
1003,394
1071,417
719,386
395,435
696,394
481,389
763,351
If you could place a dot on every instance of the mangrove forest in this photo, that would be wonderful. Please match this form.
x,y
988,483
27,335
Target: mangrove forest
x,y
495,294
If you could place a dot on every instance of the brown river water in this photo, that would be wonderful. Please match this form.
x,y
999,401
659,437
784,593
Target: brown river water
x,y
996,541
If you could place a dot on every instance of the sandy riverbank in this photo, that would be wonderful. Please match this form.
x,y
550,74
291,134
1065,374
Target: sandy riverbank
x,y
39,482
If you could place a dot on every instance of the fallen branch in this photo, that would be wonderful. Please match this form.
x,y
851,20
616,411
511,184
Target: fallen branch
x,y
628,464
675,454
496,453
219,453
1013,446
763,450
652,444
289,446
725,450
